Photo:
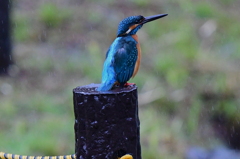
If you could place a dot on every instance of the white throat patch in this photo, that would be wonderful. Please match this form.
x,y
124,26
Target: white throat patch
x,y
131,28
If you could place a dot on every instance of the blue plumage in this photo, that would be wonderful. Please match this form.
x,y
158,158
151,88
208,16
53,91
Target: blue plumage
x,y
119,63
123,54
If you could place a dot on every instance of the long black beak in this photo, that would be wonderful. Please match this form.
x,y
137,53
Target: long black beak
x,y
153,17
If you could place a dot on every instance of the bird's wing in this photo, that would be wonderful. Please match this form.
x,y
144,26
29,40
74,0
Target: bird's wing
x,y
124,61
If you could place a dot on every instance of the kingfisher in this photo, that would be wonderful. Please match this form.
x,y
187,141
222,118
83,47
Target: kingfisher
x,y
124,55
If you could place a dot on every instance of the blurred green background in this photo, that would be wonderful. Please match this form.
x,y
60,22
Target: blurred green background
x,y
189,71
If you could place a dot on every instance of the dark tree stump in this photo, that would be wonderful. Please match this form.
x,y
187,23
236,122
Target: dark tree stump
x,y
107,123
5,42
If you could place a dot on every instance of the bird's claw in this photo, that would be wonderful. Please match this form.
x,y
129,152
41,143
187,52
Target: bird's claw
x,y
128,84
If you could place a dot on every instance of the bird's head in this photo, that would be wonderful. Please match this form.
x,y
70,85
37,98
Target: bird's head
x,y
130,25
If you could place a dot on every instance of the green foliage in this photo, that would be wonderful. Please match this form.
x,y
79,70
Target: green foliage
x,y
92,61
21,28
229,108
140,3
194,117
227,2
51,15
204,10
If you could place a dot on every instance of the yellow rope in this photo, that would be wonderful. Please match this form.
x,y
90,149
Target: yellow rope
x,y
13,156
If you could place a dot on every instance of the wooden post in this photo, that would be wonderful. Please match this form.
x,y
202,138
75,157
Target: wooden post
x,y
106,123
5,43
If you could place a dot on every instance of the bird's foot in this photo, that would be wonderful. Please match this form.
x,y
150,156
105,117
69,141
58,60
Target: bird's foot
x,y
129,84
116,84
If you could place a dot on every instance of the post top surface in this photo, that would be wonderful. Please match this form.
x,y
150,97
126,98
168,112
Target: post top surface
x,y
91,89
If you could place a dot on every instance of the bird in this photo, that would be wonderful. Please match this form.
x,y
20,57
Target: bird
x,y
124,54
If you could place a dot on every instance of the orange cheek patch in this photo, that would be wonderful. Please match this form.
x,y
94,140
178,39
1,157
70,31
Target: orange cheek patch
x,y
131,28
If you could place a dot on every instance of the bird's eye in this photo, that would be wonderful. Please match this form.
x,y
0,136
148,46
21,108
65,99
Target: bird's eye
x,y
140,20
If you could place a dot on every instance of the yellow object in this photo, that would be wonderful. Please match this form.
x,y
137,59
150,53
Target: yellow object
x,y
127,156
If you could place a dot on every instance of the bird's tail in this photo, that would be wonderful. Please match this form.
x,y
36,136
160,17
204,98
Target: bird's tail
x,y
106,86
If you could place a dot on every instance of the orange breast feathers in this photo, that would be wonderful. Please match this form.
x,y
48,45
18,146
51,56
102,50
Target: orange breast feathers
x,y
135,37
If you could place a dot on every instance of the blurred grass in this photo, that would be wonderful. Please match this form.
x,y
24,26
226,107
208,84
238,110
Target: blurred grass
x,y
188,55
51,15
